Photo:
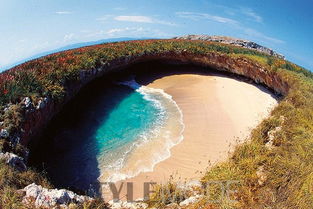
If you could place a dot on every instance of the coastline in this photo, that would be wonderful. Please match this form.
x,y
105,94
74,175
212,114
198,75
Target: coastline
x,y
218,113
153,144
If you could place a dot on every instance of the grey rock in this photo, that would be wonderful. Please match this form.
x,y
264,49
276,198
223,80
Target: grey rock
x,y
42,103
271,136
25,154
233,41
261,174
4,133
172,206
7,107
115,205
15,140
14,161
189,186
190,200
128,205
48,198
27,102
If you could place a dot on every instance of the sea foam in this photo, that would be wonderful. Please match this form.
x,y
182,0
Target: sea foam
x,y
153,145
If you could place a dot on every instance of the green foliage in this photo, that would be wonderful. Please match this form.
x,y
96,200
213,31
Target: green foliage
x,y
166,194
12,118
12,180
10,199
288,164
22,83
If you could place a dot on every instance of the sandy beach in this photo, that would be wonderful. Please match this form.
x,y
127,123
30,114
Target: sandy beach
x,y
218,112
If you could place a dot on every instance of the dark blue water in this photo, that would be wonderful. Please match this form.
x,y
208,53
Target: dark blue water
x,y
96,133
108,132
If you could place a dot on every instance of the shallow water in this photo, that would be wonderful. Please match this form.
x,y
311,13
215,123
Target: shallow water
x,y
151,123
111,134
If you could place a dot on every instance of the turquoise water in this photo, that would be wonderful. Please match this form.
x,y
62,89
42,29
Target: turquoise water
x,y
124,129
126,121
109,134
138,133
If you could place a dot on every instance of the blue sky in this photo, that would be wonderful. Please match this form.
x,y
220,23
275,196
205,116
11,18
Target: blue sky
x,y
29,27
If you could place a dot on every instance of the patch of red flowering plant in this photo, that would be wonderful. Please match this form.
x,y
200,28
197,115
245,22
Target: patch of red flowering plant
x,y
5,91
66,59
5,78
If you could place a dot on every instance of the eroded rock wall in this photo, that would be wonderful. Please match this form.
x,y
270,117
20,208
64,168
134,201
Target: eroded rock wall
x,y
38,115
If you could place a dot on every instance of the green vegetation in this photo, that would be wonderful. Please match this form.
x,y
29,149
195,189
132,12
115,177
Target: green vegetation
x,y
167,193
287,163
12,180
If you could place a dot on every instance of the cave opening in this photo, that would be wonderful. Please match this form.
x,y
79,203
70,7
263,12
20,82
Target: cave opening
x,y
66,150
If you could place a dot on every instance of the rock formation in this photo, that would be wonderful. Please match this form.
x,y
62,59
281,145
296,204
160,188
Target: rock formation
x,y
48,198
13,160
37,118
233,41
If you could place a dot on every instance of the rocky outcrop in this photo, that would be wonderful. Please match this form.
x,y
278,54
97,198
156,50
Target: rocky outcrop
x,y
190,186
271,134
261,174
191,200
14,161
233,41
128,205
4,133
47,198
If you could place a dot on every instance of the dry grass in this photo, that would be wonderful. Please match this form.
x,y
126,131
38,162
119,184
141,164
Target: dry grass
x,y
288,165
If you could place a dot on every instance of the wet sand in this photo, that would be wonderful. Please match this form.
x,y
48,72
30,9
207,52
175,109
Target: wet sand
x,y
218,112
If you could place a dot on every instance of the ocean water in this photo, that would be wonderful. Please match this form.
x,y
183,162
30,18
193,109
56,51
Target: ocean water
x,y
138,133
126,130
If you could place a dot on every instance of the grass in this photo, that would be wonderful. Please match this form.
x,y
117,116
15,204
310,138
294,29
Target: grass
x,y
287,165
11,181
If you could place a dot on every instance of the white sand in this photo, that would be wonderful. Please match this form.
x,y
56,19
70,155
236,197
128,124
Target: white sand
x,y
218,113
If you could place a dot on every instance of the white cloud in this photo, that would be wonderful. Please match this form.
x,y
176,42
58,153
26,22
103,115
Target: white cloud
x,y
20,52
118,30
205,16
85,31
251,33
110,32
63,12
257,34
68,37
129,32
142,19
250,13
119,8
104,18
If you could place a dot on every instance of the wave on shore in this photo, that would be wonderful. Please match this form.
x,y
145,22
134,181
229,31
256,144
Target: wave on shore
x,y
148,142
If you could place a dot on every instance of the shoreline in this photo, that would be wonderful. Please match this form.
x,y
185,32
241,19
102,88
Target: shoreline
x,y
218,113
165,133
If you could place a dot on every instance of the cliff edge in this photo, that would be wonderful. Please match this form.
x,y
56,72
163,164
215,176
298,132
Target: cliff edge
x,y
233,41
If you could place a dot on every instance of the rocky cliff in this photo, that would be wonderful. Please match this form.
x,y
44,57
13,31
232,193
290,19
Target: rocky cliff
x,y
233,41
37,118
